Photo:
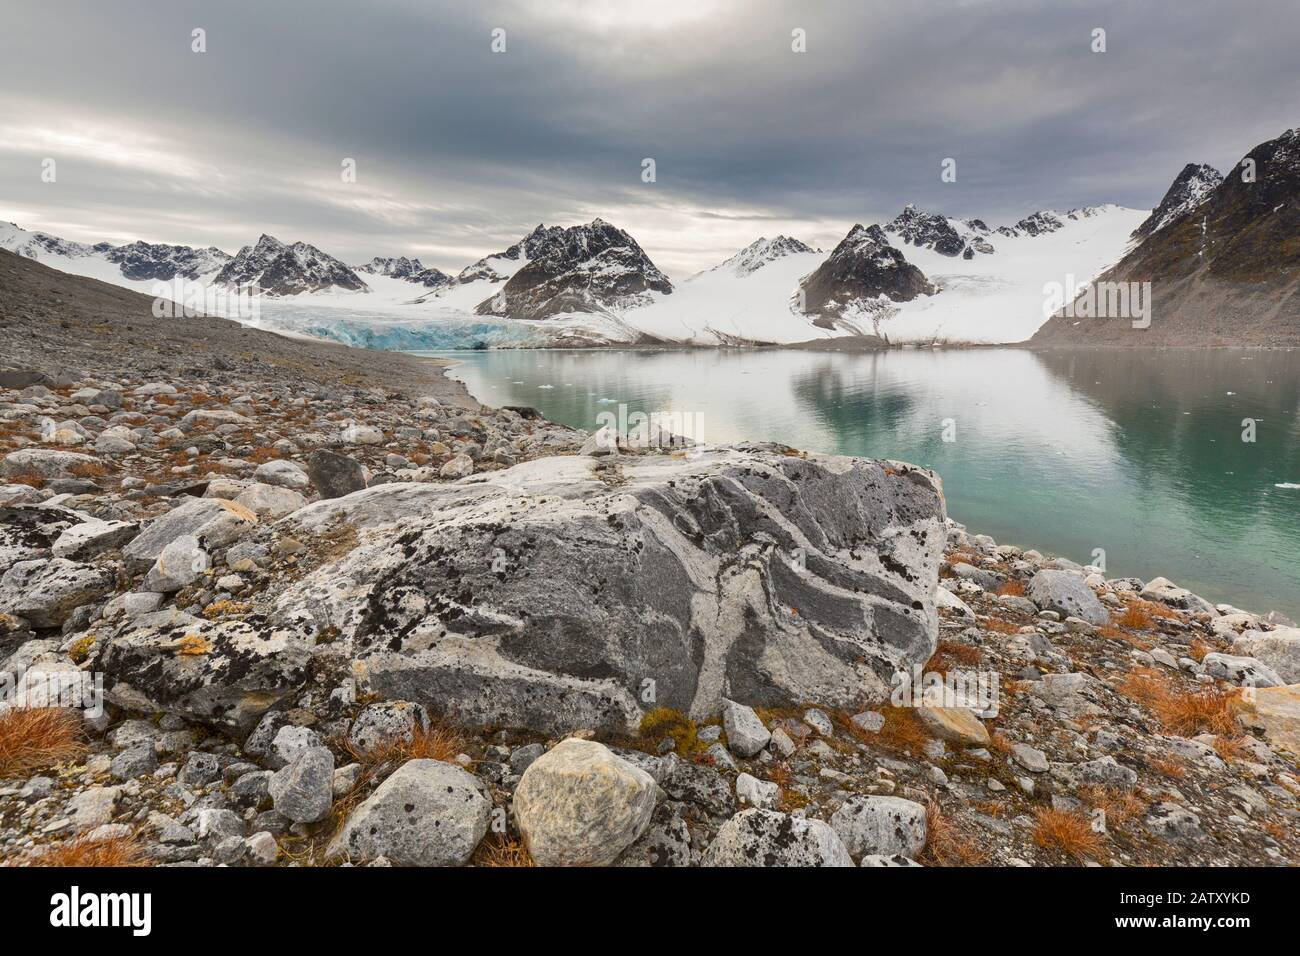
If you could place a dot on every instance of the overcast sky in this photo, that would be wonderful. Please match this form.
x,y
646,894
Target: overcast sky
x,y
460,150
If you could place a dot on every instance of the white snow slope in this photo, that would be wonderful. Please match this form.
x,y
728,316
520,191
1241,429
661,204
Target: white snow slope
x,y
994,298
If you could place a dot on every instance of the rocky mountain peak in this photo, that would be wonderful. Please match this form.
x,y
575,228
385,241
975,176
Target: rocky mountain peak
x,y
861,270
411,270
586,268
1190,188
762,251
939,233
278,269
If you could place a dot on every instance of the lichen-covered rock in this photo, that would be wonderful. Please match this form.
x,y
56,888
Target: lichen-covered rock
x,y
428,813
304,789
1066,593
46,592
384,724
545,595
871,825
746,734
580,805
227,672
767,838
1278,649
196,516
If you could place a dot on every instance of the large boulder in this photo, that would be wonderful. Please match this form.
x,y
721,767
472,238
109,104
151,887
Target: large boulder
x,y
1278,649
767,838
428,813
207,519
1276,711
548,594
30,532
581,805
335,475
226,673
46,592
49,463
881,826
1166,592
1066,593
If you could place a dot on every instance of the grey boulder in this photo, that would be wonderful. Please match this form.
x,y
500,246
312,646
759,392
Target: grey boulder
x,y
428,813
767,838
1067,594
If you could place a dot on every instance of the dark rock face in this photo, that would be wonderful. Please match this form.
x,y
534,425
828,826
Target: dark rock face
x,y
1222,271
1035,224
335,475
580,269
145,260
863,267
412,270
931,231
279,269
543,597
1191,188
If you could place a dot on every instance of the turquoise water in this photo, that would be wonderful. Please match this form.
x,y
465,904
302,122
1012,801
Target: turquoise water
x,y
1137,453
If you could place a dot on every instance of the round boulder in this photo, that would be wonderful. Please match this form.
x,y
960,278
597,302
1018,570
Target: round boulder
x,y
428,813
581,805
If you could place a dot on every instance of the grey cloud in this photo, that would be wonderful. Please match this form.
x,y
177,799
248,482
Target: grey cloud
x,y
460,150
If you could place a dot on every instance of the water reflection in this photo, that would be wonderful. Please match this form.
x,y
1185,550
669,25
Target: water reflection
x,y
1135,453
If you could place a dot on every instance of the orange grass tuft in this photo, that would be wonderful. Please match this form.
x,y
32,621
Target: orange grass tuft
x,y
1068,831
38,738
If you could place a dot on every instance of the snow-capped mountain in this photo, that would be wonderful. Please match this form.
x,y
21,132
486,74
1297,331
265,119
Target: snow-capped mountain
x,y
145,260
595,285
410,270
278,269
39,245
594,267
861,270
503,265
948,237
137,261
1191,188
1223,270
761,252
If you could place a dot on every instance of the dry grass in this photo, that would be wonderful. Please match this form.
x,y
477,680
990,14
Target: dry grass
x,y
1170,767
901,730
1141,615
31,479
949,655
1068,831
945,843
87,469
1198,650
1232,749
501,851
83,851
439,742
1119,806
1182,711
38,738
1012,588
999,626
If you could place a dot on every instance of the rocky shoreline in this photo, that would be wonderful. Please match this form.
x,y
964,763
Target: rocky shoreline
x,y
335,621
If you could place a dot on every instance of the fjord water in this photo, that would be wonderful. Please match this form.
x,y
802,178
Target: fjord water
x,y
1136,452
